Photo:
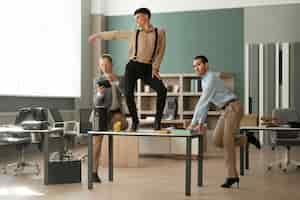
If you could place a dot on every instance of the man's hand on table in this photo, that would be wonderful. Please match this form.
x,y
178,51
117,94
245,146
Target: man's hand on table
x,y
197,128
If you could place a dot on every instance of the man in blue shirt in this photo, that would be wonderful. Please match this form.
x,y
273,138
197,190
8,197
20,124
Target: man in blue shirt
x,y
215,92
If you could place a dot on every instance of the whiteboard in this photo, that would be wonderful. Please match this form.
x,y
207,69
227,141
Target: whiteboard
x,y
40,48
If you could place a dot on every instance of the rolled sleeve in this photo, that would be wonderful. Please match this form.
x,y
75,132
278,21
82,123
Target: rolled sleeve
x,y
203,103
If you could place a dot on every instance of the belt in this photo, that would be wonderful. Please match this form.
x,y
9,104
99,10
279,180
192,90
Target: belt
x,y
136,61
229,102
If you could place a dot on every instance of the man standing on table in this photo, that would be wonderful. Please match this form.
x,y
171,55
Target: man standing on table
x,y
146,51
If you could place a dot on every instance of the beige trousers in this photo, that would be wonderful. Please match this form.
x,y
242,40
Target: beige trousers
x,y
224,135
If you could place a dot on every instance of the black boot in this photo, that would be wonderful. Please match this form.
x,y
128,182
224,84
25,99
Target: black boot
x,y
96,178
230,181
134,126
253,140
157,124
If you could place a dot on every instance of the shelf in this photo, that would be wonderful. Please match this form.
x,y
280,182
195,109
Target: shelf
x,y
163,121
187,94
190,75
152,94
188,112
147,94
147,112
210,113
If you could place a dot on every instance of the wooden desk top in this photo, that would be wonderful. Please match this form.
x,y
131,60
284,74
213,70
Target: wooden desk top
x,y
265,128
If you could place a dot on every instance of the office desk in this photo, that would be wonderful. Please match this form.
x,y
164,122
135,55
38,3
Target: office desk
x,y
150,133
45,133
244,150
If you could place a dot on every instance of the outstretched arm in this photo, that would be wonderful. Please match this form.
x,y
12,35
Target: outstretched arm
x,y
110,35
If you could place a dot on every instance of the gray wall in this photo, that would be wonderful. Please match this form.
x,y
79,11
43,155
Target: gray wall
x,y
294,75
272,23
86,69
218,34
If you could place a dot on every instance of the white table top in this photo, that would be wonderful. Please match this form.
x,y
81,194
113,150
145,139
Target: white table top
x,y
174,133
266,128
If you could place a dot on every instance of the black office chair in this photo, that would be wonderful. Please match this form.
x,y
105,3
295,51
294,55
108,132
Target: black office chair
x,y
21,140
85,124
70,131
287,140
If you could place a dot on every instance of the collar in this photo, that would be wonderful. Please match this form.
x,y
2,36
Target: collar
x,y
149,31
205,75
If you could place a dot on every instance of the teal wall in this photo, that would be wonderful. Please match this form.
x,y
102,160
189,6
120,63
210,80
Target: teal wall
x,y
218,34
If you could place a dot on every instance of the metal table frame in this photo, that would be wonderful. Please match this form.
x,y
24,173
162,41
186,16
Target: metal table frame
x,y
244,150
188,165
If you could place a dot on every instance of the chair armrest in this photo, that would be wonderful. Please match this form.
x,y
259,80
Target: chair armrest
x,y
65,124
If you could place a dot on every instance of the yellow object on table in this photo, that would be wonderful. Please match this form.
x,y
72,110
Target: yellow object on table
x,y
117,126
164,131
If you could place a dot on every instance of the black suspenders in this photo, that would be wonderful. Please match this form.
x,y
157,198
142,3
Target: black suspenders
x,y
155,44
136,42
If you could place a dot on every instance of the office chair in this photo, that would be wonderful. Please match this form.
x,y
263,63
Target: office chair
x,y
21,140
70,130
281,138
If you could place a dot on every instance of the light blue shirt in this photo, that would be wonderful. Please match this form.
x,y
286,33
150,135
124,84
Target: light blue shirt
x,y
213,91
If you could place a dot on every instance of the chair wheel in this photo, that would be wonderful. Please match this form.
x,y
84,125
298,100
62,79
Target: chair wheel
x,y
284,170
269,168
280,165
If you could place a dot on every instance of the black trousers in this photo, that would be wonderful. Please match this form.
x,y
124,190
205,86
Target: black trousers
x,y
134,71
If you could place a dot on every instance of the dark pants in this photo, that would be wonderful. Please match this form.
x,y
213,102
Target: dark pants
x,y
134,71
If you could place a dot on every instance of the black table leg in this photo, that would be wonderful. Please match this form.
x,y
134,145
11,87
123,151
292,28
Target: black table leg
x,y
247,156
110,158
242,159
90,161
46,158
200,160
188,166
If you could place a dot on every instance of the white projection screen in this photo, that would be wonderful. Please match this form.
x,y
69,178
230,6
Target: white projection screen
x,y
40,48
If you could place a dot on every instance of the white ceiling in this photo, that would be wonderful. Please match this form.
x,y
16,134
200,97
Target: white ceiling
x,y
125,7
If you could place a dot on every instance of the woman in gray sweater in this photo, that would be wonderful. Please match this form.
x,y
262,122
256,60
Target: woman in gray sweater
x,y
108,95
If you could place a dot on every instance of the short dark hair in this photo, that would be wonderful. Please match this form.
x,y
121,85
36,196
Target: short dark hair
x,y
108,57
145,11
202,58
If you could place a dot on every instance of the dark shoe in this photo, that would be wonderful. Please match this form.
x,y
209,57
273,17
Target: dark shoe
x,y
157,126
253,140
96,178
230,181
134,126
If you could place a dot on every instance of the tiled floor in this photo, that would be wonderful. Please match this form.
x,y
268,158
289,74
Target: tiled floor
x,y
164,179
